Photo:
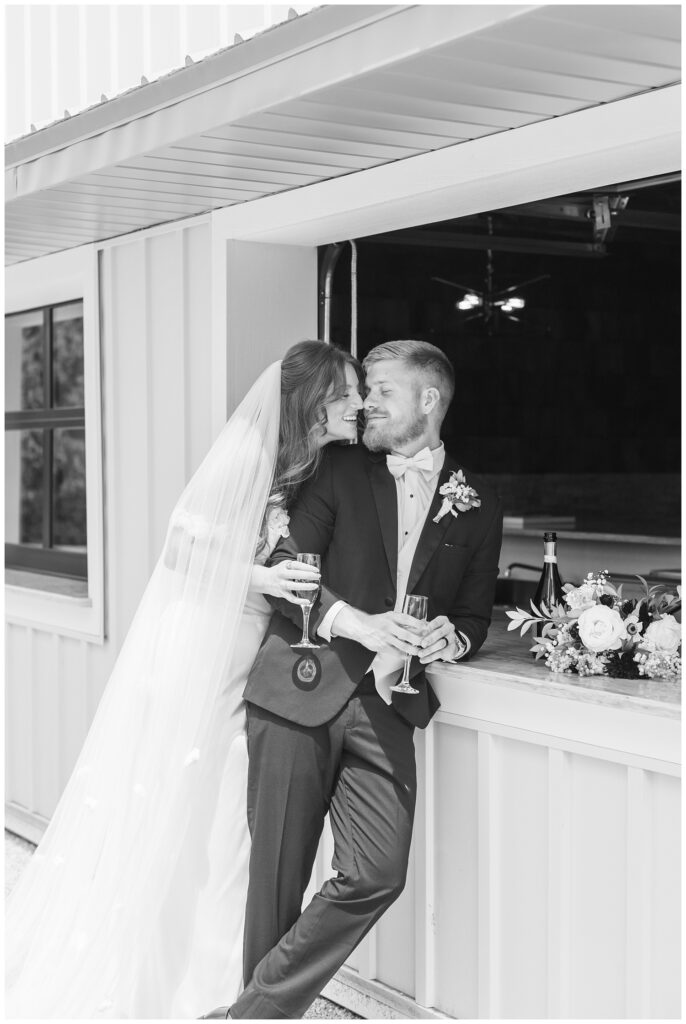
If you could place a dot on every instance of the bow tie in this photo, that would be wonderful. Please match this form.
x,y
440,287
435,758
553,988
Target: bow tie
x,y
423,461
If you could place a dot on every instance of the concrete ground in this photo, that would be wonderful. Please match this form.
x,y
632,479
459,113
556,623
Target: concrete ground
x,y
17,853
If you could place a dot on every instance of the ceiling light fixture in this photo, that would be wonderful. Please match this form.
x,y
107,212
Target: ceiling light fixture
x,y
491,302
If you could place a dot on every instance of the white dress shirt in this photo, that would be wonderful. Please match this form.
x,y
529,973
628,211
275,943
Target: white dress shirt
x,y
414,491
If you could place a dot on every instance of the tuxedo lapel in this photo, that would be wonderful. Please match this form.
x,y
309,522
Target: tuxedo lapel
x,y
385,497
432,533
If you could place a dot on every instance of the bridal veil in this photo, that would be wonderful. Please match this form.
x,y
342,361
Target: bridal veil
x,y
88,920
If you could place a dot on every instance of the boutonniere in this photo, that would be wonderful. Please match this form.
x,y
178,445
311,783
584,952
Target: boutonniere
x,y
458,496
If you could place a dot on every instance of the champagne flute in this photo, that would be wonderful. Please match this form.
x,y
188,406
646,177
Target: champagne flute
x,y
417,606
308,595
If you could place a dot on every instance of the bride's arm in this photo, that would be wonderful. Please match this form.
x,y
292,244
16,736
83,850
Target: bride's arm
x,y
280,580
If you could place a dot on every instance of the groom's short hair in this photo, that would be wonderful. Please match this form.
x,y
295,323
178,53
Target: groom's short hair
x,y
433,365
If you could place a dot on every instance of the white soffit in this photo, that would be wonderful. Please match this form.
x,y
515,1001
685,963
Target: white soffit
x,y
335,91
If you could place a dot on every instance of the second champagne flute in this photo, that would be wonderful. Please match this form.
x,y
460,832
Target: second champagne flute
x,y
416,605
308,595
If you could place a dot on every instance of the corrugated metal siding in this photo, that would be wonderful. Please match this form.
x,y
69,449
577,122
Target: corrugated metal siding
x,y
543,63
156,339
80,51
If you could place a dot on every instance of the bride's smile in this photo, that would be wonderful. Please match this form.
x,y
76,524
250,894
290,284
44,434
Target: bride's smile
x,y
342,409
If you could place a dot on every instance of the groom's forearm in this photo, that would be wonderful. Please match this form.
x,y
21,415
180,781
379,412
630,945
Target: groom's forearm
x,y
350,623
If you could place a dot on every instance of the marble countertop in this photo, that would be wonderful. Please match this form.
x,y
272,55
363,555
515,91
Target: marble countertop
x,y
505,660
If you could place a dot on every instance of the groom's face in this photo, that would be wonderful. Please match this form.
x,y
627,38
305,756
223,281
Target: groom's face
x,y
392,412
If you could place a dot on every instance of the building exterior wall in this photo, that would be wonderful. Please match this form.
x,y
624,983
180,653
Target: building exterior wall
x,y
156,345
186,326
66,56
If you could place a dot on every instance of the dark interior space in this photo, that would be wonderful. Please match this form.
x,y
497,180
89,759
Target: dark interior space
x,y
568,401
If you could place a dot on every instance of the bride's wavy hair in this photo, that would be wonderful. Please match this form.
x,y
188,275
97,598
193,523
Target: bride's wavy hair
x,y
312,372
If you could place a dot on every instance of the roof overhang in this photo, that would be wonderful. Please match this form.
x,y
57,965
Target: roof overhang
x,y
335,91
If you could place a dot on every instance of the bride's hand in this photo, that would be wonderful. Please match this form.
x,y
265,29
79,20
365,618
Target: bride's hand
x,y
282,579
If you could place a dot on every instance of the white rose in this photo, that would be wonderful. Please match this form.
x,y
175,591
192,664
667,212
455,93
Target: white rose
x,y
664,635
601,628
277,522
580,597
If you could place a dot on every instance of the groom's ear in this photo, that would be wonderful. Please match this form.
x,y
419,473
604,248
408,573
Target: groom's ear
x,y
430,400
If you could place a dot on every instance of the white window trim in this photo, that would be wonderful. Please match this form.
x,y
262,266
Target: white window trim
x,y
43,281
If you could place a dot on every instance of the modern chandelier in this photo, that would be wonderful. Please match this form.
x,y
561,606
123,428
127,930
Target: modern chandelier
x,y
491,303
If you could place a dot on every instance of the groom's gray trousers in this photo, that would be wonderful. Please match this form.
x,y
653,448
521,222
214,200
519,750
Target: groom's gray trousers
x,y
359,767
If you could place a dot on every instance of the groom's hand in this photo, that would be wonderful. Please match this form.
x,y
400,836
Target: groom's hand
x,y
383,633
441,642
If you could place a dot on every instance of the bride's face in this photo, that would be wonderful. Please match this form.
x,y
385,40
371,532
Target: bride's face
x,y
341,409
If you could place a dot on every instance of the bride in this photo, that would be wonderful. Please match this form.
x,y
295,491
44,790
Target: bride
x,y
133,904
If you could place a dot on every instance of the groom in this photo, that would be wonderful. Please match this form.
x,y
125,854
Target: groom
x,y
325,733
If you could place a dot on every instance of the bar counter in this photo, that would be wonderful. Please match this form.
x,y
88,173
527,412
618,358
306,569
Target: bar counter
x,y
505,658
545,871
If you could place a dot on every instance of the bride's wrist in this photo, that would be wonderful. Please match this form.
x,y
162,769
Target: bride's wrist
x,y
259,579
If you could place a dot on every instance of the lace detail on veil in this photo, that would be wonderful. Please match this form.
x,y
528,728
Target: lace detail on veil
x,y
188,532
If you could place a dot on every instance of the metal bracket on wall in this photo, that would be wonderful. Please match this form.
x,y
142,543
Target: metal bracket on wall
x,y
605,211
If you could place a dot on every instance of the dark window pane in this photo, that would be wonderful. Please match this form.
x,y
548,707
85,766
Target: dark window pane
x,y
69,489
67,355
24,362
24,486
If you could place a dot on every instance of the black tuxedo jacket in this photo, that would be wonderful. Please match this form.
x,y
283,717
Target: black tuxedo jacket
x,y
348,514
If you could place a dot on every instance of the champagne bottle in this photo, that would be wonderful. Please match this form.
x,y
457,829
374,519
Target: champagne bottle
x,y
549,589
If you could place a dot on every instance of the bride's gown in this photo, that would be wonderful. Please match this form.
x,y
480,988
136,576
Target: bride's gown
x,y
197,957
193,961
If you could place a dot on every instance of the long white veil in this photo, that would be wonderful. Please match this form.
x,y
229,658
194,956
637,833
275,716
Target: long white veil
x,y
83,916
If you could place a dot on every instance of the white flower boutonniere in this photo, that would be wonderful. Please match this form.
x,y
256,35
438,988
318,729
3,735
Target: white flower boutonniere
x,y
458,496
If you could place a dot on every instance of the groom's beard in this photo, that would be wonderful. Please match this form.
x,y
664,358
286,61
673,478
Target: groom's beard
x,y
387,435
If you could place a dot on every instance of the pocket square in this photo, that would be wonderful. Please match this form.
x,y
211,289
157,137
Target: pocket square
x,y
455,547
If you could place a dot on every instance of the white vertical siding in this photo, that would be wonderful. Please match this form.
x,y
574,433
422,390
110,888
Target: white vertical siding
x,y
65,56
271,303
127,429
197,328
664,924
544,882
16,73
522,846
75,687
457,810
45,716
19,737
598,888
394,946
156,342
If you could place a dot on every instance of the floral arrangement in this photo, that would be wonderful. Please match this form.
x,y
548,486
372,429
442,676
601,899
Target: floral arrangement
x,y
457,496
597,632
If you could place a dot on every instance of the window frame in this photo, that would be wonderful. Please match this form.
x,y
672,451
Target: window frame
x,y
47,558
48,281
